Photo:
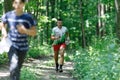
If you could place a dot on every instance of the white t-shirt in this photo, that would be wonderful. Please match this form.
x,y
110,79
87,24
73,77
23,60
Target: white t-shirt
x,y
57,32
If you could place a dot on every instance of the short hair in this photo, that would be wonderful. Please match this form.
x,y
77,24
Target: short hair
x,y
21,0
59,19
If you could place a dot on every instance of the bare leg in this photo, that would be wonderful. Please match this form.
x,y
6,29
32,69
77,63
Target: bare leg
x,y
62,50
56,56
56,59
62,56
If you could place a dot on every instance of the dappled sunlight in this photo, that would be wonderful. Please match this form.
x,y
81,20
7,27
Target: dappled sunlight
x,y
41,69
4,71
68,66
4,74
44,69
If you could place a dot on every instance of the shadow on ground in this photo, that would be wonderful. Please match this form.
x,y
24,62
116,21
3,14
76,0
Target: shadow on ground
x,y
44,68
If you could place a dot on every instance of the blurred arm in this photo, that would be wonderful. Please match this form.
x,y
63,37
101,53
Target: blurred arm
x,y
4,29
54,38
31,31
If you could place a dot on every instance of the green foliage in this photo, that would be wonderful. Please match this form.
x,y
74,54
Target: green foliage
x,y
28,74
3,58
1,8
34,52
68,55
59,41
38,51
67,58
99,62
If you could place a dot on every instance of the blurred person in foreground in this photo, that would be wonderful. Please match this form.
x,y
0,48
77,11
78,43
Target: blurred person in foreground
x,y
17,26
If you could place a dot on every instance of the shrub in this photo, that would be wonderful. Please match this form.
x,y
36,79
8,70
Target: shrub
x,y
98,62
36,52
28,74
3,58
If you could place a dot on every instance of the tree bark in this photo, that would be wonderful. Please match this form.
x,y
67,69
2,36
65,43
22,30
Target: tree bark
x,y
47,25
100,25
82,25
117,5
52,2
7,5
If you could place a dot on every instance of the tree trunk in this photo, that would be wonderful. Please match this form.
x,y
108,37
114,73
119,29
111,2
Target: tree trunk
x,y
100,25
7,5
52,11
47,25
82,25
117,5
60,12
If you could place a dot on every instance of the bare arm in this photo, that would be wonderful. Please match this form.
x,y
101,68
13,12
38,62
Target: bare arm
x,y
0,26
4,29
31,32
54,38
68,37
67,34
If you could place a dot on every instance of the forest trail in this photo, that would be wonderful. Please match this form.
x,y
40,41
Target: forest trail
x,y
44,68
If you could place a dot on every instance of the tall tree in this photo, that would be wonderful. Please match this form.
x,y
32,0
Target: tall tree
x,y
117,5
7,5
100,25
47,13
52,2
82,24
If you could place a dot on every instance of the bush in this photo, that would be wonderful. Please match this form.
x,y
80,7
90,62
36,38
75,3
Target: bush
x,y
28,74
36,52
98,62
3,58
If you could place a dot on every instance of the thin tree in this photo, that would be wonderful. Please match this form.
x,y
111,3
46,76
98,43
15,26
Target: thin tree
x,y
52,2
7,5
82,24
100,25
117,5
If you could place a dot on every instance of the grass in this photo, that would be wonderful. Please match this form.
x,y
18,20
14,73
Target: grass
x,y
28,74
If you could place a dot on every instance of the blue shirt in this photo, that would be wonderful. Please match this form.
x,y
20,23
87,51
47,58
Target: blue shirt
x,y
19,41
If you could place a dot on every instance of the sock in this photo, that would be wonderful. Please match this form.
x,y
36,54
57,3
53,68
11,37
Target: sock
x,y
57,65
61,66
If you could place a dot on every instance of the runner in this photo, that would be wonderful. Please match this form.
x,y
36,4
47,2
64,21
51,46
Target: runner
x,y
59,35
20,25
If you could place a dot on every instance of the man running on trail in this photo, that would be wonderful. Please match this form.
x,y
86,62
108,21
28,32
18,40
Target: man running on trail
x,y
59,36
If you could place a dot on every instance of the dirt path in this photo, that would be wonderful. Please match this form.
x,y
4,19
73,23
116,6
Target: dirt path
x,y
4,73
44,68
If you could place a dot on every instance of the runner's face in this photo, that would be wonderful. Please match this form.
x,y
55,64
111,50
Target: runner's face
x,y
59,23
18,5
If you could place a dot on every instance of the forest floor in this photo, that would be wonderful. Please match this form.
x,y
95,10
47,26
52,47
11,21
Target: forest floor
x,y
44,68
